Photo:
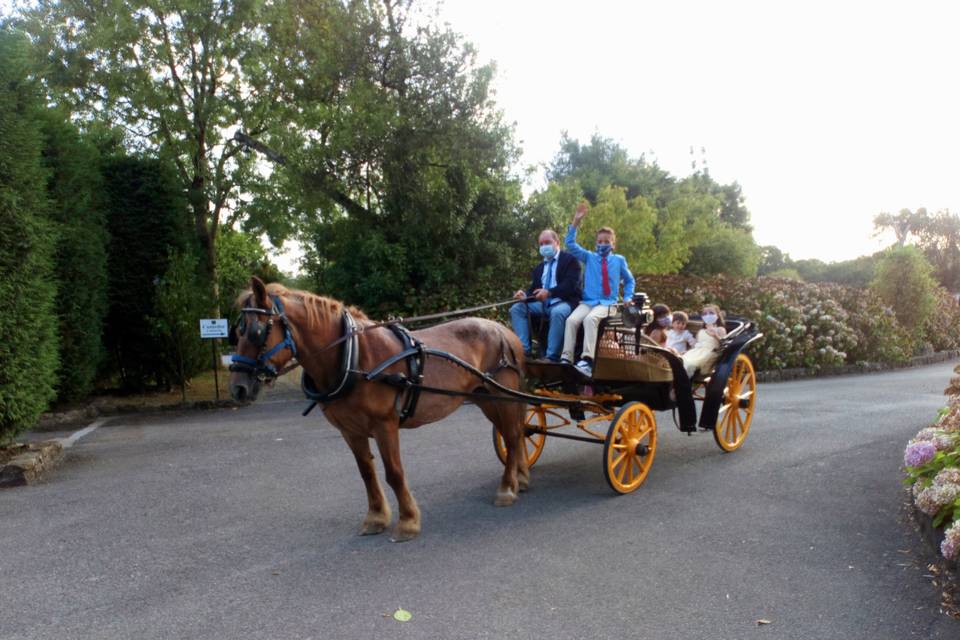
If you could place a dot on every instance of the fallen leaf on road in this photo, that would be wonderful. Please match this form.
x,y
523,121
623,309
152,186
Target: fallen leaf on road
x,y
402,615
762,621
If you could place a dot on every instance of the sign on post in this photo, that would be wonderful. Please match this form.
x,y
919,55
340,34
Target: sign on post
x,y
213,328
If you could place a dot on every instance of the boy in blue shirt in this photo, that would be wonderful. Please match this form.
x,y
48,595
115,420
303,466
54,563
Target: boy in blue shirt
x,y
603,273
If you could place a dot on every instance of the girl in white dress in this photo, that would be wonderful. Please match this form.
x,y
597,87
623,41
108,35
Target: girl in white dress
x,y
704,354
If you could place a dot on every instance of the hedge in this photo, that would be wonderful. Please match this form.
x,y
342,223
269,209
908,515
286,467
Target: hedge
x,y
810,325
28,348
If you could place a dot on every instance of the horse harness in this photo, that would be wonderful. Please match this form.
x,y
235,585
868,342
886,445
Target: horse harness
x,y
257,332
413,353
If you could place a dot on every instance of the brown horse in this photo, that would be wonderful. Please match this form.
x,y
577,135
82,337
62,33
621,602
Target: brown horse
x,y
369,410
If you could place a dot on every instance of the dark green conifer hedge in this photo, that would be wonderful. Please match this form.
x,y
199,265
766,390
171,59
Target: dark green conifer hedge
x,y
28,332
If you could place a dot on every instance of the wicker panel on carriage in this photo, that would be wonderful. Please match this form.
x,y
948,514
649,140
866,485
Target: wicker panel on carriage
x,y
618,358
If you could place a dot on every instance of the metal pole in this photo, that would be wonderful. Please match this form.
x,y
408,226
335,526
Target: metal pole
x,y
216,377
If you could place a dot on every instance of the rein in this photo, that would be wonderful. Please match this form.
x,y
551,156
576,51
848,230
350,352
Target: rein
x,y
261,367
432,316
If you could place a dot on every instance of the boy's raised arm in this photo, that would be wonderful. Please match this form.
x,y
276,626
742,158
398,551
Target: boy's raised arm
x,y
571,240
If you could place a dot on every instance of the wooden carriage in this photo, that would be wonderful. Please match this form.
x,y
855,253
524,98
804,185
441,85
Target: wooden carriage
x,y
632,378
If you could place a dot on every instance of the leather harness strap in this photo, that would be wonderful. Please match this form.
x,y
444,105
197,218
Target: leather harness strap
x,y
348,369
406,402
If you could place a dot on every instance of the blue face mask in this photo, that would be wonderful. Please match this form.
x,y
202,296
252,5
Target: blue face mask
x,y
665,321
710,318
548,251
604,249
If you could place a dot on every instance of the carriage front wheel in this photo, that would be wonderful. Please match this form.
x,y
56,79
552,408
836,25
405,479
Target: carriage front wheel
x,y
533,443
739,399
630,446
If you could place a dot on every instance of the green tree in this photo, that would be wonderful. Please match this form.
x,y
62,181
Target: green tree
x,y
28,350
901,224
773,259
77,209
552,208
858,272
400,162
938,236
725,251
179,304
811,269
603,163
634,223
241,255
176,76
904,282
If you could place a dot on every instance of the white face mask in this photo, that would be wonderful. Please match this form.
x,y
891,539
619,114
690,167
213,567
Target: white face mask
x,y
710,318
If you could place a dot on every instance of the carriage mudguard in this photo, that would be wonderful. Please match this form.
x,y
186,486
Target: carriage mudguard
x,y
713,398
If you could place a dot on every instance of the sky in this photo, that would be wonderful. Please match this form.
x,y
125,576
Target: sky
x,y
826,113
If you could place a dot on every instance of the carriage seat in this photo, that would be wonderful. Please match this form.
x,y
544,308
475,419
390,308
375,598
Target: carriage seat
x,y
693,326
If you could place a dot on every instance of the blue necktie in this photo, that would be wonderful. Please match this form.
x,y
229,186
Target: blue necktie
x,y
549,275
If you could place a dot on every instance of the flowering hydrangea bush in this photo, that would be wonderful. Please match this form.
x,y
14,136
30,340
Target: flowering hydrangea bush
x,y
940,330
804,324
950,547
932,463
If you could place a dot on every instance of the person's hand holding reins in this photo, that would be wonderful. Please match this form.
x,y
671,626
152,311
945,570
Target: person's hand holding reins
x,y
541,294
520,294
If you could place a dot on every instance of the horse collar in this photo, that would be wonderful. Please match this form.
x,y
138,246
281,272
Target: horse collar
x,y
348,374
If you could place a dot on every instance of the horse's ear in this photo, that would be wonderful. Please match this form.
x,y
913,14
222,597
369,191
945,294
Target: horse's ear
x,y
259,292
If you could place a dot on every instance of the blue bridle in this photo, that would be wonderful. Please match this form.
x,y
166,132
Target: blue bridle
x,y
260,366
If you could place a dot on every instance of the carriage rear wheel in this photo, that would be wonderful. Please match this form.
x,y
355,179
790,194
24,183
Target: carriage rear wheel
x,y
630,447
739,398
533,443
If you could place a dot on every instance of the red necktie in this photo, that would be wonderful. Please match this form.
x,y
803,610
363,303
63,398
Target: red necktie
x,y
606,276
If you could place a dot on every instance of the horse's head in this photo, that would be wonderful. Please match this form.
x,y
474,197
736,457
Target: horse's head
x,y
264,343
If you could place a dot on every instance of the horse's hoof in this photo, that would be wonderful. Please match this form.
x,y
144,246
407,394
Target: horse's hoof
x,y
401,534
523,483
372,528
504,498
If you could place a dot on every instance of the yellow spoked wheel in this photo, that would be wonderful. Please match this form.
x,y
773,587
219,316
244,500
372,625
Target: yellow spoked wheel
x,y
736,412
630,446
533,443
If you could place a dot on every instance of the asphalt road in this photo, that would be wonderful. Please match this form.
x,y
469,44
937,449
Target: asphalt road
x,y
241,524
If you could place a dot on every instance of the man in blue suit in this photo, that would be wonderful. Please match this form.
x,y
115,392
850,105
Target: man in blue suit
x,y
555,283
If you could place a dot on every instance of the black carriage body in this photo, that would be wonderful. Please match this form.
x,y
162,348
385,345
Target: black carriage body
x,y
619,347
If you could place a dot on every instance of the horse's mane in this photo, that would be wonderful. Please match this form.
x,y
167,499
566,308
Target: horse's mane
x,y
319,308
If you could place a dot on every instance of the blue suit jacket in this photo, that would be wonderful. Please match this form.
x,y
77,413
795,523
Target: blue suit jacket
x,y
568,279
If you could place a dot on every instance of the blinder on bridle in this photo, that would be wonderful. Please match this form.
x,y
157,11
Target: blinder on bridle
x,y
256,332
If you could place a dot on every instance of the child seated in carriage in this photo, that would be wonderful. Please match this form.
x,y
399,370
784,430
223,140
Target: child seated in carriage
x,y
703,356
657,330
679,339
